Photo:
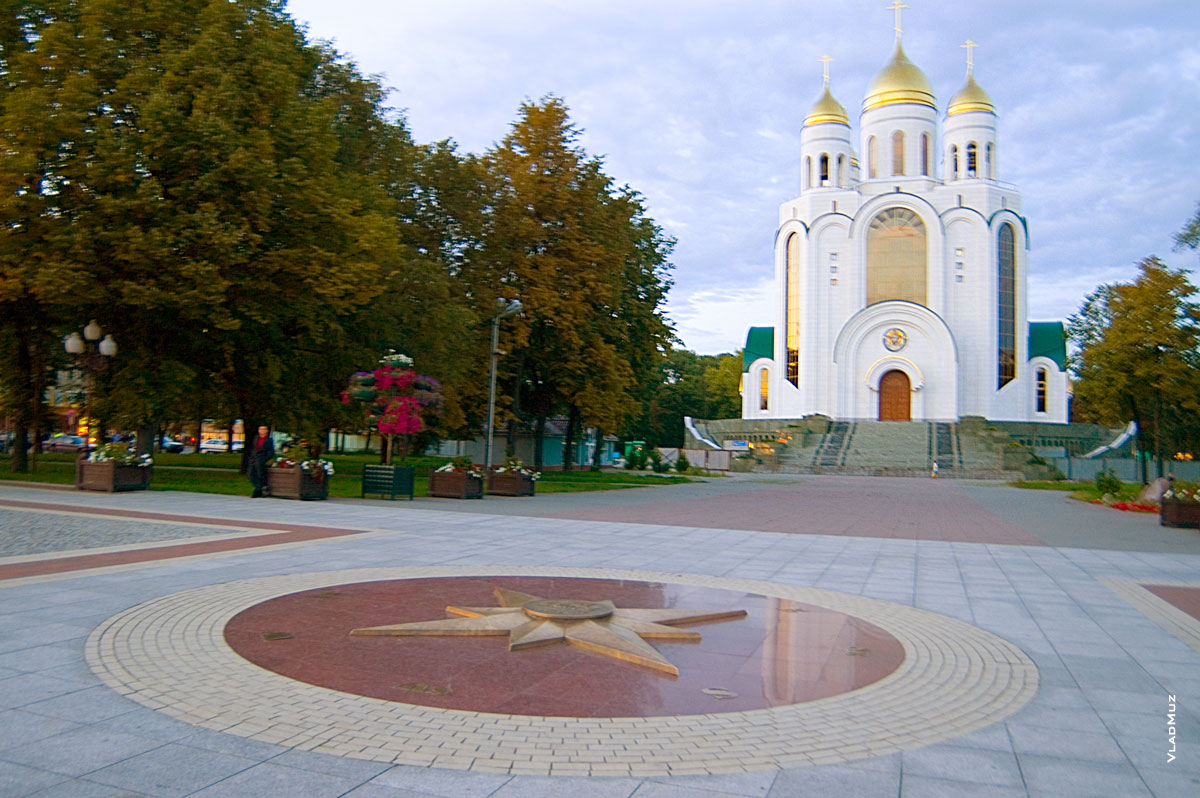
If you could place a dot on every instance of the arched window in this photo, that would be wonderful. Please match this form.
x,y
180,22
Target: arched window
x,y
896,256
989,163
971,156
1006,306
764,389
925,154
824,169
871,157
792,322
1041,390
808,171
898,152
841,171
953,162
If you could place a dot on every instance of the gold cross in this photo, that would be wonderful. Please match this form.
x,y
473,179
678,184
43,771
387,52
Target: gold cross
x,y
970,45
825,61
896,6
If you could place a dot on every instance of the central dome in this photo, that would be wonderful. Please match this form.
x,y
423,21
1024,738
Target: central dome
x,y
900,81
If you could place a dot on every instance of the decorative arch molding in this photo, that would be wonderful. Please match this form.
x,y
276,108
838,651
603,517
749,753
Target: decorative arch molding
x,y
929,357
787,228
961,213
894,363
898,199
1009,215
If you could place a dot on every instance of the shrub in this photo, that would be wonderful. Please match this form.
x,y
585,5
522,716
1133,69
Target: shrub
x,y
657,463
1107,481
682,464
636,460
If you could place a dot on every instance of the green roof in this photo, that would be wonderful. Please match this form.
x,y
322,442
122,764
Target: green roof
x,y
1048,339
760,342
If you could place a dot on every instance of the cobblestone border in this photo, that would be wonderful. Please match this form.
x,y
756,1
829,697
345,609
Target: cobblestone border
x,y
1172,619
170,654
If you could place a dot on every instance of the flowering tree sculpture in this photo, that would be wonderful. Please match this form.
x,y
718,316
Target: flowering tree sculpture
x,y
398,402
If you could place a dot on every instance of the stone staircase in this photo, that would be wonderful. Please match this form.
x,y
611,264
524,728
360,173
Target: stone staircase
x,y
894,448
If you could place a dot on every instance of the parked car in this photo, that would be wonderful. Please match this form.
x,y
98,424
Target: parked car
x,y
170,445
214,445
65,443
238,445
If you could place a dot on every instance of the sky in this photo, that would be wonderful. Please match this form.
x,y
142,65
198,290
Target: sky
x,y
698,105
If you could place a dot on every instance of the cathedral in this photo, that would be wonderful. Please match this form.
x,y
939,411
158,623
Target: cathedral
x,y
901,270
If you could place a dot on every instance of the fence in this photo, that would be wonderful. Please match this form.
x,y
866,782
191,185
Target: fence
x,y
1126,469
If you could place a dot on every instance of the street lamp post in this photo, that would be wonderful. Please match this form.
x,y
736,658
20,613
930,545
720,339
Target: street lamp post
x,y
504,307
91,353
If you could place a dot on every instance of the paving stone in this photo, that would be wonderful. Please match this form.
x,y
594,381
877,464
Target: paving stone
x,y
18,727
1046,776
79,751
171,771
17,779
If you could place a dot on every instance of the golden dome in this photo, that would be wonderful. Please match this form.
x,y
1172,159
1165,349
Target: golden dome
x,y
971,97
901,81
827,109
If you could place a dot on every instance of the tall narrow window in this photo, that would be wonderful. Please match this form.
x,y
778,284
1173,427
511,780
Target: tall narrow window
x,y
764,388
925,154
971,156
871,157
989,162
1006,306
896,255
824,169
953,162
808,171
841,171
794,277
898,153
1041,390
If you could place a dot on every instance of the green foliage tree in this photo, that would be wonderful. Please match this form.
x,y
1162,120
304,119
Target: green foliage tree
x,y
588,267
1138,356
688,384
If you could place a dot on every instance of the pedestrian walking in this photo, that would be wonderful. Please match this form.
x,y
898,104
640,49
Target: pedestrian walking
x,y
263,453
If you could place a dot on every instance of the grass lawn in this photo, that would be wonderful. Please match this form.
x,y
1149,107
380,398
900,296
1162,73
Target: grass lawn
x,y
1083,491
218,473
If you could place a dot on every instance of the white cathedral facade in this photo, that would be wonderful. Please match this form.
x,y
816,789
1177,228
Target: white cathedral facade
x,y
901,273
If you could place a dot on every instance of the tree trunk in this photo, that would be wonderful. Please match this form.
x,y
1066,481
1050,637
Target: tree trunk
x,y
145,438
598,450
539,434
569,440
20,457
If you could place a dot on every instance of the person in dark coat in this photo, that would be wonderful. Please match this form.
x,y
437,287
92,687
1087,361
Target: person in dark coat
x,y
263,453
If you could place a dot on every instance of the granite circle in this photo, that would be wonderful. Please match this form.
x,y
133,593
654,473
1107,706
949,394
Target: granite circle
x,y
171,654
782,652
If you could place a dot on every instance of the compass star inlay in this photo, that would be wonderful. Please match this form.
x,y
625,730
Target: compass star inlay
x,y
597,626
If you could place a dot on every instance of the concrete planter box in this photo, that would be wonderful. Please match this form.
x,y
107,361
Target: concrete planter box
x,y
1180,514
510,483
292,483
455,485
109,476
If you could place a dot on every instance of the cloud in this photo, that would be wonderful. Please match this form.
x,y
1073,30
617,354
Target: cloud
x,y
712,322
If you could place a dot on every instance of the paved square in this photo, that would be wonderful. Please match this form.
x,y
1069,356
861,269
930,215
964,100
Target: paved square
x,y
1108,653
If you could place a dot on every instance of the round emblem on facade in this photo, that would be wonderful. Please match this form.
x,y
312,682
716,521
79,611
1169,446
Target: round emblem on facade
x,y
895,339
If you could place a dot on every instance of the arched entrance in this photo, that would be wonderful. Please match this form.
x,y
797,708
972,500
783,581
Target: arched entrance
x,y
895,395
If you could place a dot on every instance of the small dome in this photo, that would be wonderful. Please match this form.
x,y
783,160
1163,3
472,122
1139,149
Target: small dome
x,y
971,97
901,81
827,109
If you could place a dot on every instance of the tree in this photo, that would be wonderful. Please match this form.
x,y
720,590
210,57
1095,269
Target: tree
x,y
588,267
1138,356
202,181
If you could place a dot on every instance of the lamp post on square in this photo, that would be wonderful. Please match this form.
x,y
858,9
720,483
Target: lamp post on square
x,y
90,353
504,307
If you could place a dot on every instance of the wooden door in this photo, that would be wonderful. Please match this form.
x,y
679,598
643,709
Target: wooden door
x,y
895,395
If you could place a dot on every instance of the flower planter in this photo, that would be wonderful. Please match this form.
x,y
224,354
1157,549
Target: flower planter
x,y
293,483
1180,514
455,485
510,483
109,476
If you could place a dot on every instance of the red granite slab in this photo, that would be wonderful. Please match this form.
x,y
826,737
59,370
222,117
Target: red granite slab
x,y
1183,598
927,509
782,653
284,533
